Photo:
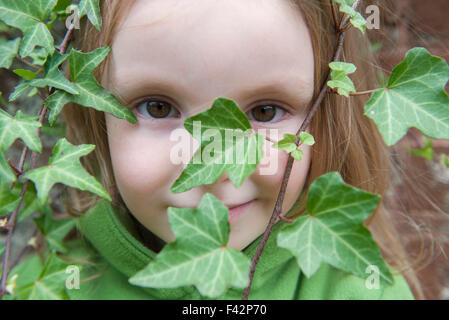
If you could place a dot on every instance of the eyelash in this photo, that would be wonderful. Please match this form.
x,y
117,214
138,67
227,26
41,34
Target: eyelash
x,y
147,115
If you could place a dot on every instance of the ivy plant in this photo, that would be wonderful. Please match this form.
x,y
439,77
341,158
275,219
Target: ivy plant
x,y
331,231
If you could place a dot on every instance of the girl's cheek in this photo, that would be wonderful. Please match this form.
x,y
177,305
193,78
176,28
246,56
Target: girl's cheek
x,y
140,161
270,172
140,171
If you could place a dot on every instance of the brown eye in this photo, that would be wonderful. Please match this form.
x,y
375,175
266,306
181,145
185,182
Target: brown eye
x,y
155,109
266,113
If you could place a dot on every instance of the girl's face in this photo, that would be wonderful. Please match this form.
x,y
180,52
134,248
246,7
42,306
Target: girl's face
x,y
170,60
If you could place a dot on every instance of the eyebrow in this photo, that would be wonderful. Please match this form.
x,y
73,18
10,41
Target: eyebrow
x,y
300,96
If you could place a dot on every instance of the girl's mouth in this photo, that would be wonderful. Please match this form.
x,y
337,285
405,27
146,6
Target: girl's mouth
x,y
237,211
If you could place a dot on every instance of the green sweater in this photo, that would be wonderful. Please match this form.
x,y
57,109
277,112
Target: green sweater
x,y
116,245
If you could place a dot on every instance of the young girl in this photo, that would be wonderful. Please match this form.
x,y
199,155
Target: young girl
x,y
170,60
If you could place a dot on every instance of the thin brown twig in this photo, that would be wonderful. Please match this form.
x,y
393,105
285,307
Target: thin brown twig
x,y
358,93
334,15
340,24
19,169
346,27
12,220
285,219
361,93
278,206
65,42
13,217
16,171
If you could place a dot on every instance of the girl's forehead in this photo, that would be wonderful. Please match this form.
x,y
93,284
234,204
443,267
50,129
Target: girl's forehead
x,y
231,41
153,12
262,19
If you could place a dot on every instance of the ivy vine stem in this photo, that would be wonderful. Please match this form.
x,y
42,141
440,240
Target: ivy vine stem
x,y
334,14
11,224
280,199
361,93
358,93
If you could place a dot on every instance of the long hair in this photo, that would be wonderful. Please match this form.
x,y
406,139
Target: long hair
x,y
346,140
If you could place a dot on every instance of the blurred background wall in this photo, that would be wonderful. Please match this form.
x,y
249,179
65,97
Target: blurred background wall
x,y
406,24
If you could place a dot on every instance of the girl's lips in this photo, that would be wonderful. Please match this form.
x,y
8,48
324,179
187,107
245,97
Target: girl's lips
x,y
237,211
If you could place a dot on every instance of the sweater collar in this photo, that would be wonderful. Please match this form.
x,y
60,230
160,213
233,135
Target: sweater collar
x,y
115,236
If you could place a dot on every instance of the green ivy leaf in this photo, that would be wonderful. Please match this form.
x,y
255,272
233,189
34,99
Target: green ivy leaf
x,y
288,138
306,138
340,79
55,103
332,231
58,130
356,19
287,143
26,74
425,152
54,230
12,128
53,77
64,167
414,97
25,273
238,157
39,56
8,50
19,90
199,255
29,17
9,200
297,154
6,173
91,93
21,126
62,5
32,92
50,285
91,8
32,203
